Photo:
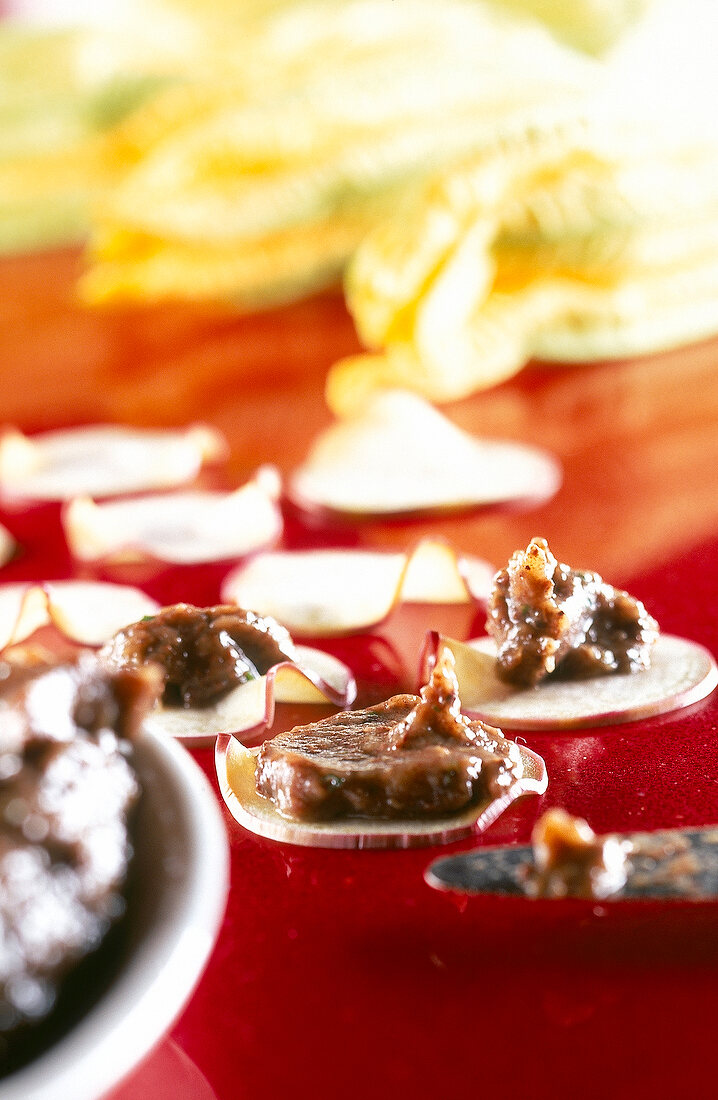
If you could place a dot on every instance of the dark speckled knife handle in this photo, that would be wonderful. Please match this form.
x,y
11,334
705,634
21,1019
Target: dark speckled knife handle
x,y
677,864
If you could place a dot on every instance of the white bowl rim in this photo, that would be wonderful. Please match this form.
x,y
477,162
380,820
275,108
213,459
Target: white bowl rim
x,y
137,1010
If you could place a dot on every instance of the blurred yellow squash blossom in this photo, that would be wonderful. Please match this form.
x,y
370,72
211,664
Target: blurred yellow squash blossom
x,y
599,240
256,181
55,108
590,25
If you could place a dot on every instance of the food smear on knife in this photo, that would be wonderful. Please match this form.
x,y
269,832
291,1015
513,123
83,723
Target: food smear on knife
x,y
407,771
395,454
564,650
550,620
104,460
67,790
570,861
223,668
337,591
181,528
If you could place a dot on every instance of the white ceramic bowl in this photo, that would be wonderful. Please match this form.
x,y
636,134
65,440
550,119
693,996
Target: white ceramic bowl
x,y
177,902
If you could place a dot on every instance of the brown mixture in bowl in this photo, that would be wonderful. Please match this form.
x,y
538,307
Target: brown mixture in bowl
x,y
67,787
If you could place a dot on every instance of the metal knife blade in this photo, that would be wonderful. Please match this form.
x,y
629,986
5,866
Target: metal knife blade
x,y
670,864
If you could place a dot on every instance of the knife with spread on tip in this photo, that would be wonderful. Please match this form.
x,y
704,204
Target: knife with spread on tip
x,y
568,860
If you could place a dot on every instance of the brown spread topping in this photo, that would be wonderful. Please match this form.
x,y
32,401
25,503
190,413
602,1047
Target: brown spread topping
x,y
571,861
408,757
203,652
548,619
66,789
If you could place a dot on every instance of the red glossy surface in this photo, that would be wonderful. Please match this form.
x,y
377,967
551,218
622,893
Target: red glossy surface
x,y
341,973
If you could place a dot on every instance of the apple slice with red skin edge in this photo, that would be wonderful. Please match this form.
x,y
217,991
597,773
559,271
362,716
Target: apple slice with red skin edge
x,y
85,612
328,592
23,610
236,776
248,710
8,546
681,673
181,528
399,456
104,460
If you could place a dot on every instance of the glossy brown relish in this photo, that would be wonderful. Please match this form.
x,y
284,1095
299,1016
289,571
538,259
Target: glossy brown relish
x,y
571,861
67,786
409,757
203,652
550,620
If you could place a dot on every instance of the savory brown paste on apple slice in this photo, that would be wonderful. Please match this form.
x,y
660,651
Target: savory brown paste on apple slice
x,y
203,652
408,757
411,771
565,650
223,668
550,620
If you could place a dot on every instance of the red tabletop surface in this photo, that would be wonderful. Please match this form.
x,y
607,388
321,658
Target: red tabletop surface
x,y
342,973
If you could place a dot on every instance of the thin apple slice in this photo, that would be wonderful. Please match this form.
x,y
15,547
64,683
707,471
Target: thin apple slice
x,y
325,592
102,461
8,546
86,612
236,774
681,673
182,527
398,455
90,612
315,677
23,610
